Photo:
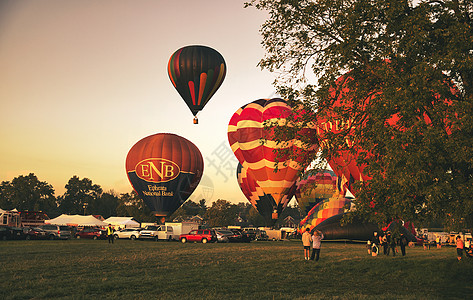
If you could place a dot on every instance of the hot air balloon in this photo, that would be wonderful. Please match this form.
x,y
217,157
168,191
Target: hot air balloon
x,y
262,202
313,189
343,160
196,72
356,230
254,146
323,210
164,169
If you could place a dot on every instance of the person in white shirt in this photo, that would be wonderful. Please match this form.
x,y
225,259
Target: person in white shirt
x,y
316,243
306,240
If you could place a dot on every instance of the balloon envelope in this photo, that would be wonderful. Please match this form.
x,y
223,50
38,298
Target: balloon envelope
x,y
164,169
354,231
196,72
323,210
262,202
316,188
254,146
343,161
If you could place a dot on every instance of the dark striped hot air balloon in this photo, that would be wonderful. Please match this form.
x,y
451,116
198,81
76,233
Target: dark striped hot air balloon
x,y
262,202
196,72
164,169
254,146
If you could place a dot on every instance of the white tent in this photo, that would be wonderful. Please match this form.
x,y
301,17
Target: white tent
x,y
122,222
76,220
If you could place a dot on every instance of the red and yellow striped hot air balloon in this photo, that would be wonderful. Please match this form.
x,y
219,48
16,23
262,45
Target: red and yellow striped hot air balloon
x,y
196,72
254,146
262,202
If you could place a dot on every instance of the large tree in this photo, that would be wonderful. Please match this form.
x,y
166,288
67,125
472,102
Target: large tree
x,y
28,193
81,196
397,57
222,213
131,205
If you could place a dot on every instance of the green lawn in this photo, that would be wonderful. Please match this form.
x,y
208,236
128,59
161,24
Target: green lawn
x,y
87,269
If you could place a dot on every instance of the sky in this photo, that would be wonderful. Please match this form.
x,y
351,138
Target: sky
x,y
81,81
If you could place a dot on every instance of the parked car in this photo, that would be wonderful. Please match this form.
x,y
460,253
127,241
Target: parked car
x,y
223,236
36,233
262,236
12,233
91,233
128,233
157,232
256,234
56,231
240,236
199,235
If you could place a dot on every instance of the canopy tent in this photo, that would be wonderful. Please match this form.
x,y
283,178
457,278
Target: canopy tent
x,y
76,220
122,222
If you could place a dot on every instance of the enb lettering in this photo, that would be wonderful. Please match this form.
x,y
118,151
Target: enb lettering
x,y
157,170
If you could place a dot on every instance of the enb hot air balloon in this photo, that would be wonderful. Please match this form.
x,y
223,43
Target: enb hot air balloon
x,y
254,146
196,72
164,169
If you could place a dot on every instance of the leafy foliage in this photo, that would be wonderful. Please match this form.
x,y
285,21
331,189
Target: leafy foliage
x,y
79,195
27,193
130,204
398,59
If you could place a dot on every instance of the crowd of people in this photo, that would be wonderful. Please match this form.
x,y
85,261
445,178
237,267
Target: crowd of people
x,y
388,242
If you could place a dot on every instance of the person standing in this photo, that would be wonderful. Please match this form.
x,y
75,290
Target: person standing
x,y
384,243
306,240
316,243
391,243
110,232
388,242
375,239
403,243
460,247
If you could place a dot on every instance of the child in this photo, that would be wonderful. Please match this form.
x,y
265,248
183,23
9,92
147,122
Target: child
x,y
306,241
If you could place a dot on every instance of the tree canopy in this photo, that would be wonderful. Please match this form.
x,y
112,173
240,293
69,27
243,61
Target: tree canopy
x,y
27,193
369,62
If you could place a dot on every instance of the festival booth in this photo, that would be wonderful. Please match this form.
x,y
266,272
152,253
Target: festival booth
x,y
76,220
122,222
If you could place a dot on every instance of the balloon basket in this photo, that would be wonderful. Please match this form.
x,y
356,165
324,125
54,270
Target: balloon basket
x,y
196,121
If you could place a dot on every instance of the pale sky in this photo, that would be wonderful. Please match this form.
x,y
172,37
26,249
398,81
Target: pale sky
x,y
81,81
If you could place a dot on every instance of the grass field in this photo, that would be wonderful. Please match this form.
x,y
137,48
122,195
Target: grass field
x,y
87,269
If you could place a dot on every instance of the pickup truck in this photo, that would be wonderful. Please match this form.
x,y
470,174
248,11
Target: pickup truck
x,y
156,232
